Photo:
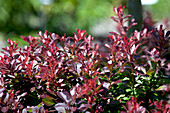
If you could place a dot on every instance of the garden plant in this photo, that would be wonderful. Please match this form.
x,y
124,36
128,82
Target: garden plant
x,y
72,74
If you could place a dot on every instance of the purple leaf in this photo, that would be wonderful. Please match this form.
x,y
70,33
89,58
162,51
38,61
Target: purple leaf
x,y
65,96
4,109
61,107
84,107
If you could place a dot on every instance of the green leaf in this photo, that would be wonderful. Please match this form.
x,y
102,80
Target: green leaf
x,y
122,95
149,72
163,87
30,110
143,70
126,78
139,82
128,90
39,105
48,101
125,98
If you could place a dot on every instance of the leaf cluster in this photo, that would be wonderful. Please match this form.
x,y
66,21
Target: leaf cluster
x,y
70,74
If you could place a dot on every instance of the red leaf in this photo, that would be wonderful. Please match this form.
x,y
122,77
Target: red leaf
x,y
106,45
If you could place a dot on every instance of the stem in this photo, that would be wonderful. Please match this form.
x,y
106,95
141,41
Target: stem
x,y
91,109
133,80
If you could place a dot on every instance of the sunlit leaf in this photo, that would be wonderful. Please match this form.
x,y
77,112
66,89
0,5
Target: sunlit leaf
x,y
48,101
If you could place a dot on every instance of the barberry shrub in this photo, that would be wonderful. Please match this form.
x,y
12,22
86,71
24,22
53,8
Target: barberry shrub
x,y
71,74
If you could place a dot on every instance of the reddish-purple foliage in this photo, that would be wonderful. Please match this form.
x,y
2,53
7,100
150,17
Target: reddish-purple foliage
x,y
134,107
161,107
70,74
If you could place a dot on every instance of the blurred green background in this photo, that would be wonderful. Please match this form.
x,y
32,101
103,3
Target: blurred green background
x,y
27,17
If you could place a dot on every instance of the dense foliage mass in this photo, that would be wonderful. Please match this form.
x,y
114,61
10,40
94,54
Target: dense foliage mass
x,y
72,74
